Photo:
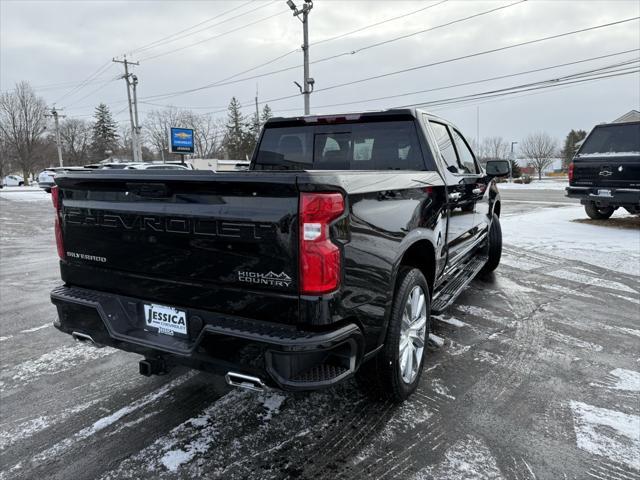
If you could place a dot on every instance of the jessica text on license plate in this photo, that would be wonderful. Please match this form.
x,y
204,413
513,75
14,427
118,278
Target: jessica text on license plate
x,y
166,319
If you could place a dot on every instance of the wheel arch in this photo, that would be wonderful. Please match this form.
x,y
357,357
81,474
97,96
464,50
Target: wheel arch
x,y
421,255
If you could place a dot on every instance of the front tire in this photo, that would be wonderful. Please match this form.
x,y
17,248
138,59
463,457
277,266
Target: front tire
x,y
494,248
598,213
395,372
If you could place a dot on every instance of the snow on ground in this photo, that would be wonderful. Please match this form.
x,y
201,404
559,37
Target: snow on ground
x,y
614,435
536,185
466,459
24,194
621,379
553,231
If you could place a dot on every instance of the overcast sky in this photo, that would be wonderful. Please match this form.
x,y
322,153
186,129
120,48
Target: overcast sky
x,y
50,42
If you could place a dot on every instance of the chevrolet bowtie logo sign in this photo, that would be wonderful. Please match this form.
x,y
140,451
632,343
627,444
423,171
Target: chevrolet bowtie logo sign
x,y
605,173
181,140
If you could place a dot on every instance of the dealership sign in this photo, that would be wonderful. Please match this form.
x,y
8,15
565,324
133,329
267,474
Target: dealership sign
x,y
181,140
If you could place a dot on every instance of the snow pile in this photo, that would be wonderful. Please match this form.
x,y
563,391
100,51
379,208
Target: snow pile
x,y
553,232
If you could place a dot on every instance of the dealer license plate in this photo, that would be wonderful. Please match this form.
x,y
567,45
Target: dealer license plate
x,y
604,193
167,320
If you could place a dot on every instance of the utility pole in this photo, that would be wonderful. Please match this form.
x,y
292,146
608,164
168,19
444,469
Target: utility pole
x,y
308,82
257,114
134,82
134,127
55,115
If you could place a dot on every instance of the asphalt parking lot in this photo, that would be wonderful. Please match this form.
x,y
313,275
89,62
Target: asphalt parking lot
x,y
536,378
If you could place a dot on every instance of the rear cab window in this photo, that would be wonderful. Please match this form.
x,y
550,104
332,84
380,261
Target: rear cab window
x,y
371,144
615,138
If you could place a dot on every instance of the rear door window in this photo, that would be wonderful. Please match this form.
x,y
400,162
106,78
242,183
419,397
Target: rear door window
x,y
467,160
445,145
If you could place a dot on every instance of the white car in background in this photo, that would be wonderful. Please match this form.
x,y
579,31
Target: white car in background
x,y
159,166
13,181
45,177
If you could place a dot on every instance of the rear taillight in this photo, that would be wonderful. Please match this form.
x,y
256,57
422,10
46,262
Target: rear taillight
x,y
571,167
319,256
55,198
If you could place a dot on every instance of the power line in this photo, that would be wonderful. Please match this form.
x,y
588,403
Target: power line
x,y
104,84
476,54
162,41
342,35
473,82
366,27
220,83
199,42
551,83
104,67
516,89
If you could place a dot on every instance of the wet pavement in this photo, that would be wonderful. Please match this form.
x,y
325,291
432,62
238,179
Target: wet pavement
x,y
537,379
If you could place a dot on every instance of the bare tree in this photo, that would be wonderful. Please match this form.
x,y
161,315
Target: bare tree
x,y
539,149
76,140
207,134
207,131
495,148
22,122
7,156
156,127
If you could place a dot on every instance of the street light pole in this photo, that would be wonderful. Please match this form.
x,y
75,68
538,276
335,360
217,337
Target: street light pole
x,y
308,82
513,159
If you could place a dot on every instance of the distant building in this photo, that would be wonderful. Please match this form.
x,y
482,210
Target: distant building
x,y
631,116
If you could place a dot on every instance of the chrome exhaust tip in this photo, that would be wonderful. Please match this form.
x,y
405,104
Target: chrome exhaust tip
x,y
84,338
245,381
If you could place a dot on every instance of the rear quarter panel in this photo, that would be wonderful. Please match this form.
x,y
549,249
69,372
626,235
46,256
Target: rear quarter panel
x,y
387,212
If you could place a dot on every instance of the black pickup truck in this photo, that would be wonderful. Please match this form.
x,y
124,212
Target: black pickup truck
x,y
324,260
605,173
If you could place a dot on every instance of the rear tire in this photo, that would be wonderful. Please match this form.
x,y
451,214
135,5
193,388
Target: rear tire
x,y
394,373
598,213
494,248
48,190
21,184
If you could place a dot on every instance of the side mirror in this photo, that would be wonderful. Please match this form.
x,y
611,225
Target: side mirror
x,y
498,168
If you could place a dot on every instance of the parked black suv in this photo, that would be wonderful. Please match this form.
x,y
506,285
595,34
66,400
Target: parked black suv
x,y
605,173
323,260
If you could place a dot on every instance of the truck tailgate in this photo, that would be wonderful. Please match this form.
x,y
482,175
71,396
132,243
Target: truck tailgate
x,y
218,242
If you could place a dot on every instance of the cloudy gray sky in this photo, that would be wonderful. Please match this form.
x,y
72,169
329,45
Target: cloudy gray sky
x,y
54,44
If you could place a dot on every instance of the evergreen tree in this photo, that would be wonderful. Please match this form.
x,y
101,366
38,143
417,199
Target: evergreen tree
x,y
516,172
238,141
569,149
105,132
266,114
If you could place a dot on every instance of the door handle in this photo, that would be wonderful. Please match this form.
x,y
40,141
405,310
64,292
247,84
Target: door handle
x,y
455,196
476,191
